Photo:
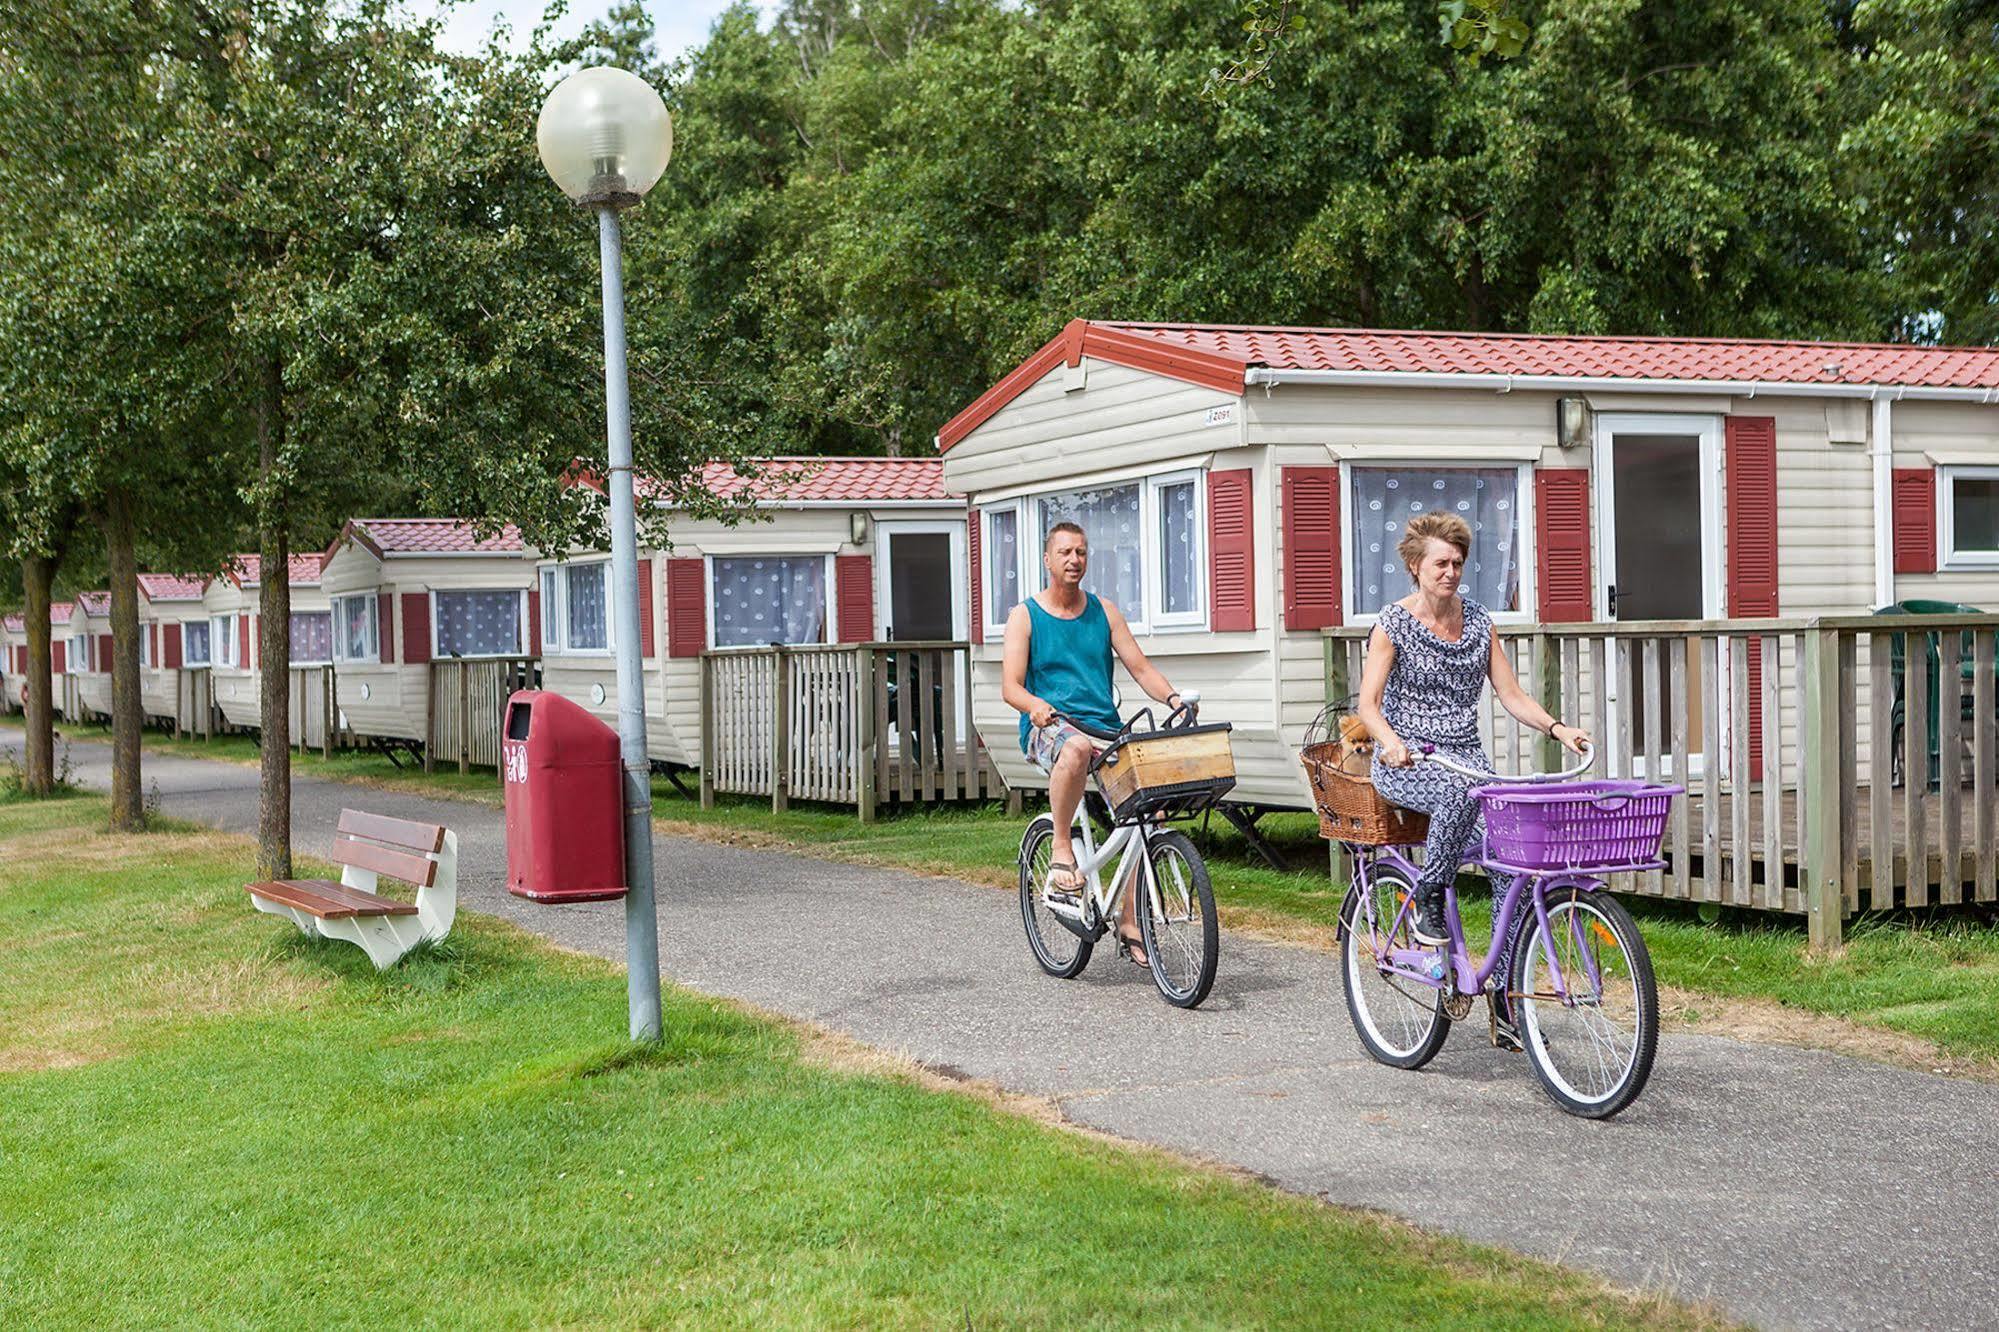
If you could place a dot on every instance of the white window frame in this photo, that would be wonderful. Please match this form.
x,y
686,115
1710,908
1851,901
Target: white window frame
x,y
222,641
520,623
831,631
340,653
77,662
145,647
328,613
208,648
1948,555
1149,616
1524,515
555,618
884,589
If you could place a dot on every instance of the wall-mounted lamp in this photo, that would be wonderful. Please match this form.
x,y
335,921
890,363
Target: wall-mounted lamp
x,y
858,527
1572,423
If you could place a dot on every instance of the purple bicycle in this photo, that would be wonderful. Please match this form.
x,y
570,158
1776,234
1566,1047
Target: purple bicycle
x,y
1583,998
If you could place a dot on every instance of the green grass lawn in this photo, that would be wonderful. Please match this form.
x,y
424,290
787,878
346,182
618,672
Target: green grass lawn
x,y
209,1120
1936,979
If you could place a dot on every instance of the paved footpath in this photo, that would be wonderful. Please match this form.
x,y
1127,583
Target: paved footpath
x,y
1793,1188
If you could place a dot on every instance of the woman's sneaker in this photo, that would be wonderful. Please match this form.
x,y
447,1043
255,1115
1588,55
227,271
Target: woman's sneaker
x,y
1426,921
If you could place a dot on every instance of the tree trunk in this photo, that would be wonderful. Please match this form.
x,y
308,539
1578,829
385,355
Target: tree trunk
x,y
38,573
274,606
128,809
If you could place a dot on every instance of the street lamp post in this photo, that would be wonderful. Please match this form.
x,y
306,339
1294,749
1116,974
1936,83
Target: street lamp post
x,y
605,137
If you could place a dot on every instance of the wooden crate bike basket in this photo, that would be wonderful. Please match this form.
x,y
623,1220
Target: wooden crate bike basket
x,y
1170,771
1338,755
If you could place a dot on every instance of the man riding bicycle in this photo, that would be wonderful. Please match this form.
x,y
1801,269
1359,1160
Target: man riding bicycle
x,y
1059,644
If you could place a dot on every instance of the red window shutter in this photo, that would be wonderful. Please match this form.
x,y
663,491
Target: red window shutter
x,y
648,611
104,657
1914,494
974,523
533,648
153,649
1311,547
243,642
385,626
1751,476
58,658
416,627
1231,552
854,576
170,655
686,608
1561,540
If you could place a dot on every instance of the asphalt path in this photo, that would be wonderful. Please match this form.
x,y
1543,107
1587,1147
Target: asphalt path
x,y
1793,1188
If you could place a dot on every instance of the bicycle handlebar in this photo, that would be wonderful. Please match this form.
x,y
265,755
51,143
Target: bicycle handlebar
x,y
1429,754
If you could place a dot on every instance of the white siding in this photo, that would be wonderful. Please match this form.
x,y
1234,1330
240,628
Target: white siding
x,y
1924,433
1122,418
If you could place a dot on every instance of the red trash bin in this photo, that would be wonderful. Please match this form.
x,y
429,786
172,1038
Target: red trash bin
x,y
564,791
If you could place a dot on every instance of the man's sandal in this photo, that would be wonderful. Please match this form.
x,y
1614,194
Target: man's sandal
x,y
1073,888
1133,949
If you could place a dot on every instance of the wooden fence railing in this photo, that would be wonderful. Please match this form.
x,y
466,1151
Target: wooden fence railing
x,y
854,724
1791,737
315,712
466,701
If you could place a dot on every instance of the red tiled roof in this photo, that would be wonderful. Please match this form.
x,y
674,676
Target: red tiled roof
x,y
171,587
60,610
17,622
1217,355
94,603
800,480
247,570
429,536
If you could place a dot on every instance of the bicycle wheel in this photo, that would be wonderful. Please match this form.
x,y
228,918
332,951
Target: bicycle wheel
x,y
1594,1052
1182,939
1401,1022
1060,950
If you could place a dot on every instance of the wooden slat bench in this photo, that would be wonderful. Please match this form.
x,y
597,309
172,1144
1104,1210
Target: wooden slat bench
x,y
369,847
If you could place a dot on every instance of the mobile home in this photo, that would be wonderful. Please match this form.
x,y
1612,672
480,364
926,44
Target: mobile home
x,y
89,657
173,644
13,663
839,550
231,600
407,592
1243,489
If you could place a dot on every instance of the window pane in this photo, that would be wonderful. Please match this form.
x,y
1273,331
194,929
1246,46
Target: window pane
x,y
1177,549
312,636
550,626
194,643
1386,498
478,624
1002,564
1974,513
588,625
356,628
1109,519
770,601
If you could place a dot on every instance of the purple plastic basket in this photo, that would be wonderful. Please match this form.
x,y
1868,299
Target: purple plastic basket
x,y
1575,825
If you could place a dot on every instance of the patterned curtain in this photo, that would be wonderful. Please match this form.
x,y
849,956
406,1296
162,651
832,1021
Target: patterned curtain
x,y
194,642
771,600
478,624
589,623
1109,518
1177,549
312,638
1002,558
357,629
1385,498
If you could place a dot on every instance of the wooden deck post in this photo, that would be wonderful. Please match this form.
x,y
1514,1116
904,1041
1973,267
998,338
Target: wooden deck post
x,y
464,718
1825,803
332,714
429,718
780,733
866,731
1548,693
707,732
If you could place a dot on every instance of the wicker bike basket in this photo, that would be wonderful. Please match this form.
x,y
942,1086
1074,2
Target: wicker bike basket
x,y
1338,755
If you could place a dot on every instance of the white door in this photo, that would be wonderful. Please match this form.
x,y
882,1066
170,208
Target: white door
x,y
920,581
1659,530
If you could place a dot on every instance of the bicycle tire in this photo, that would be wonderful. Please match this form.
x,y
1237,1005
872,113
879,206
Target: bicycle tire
x,y
1538,1035
1057,949
1418,1020
1187,900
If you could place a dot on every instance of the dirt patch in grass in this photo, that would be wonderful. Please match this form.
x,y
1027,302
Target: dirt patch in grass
x,y
1772,1023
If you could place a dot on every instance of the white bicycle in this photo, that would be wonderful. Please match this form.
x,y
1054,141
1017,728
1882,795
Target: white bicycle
x,y
1176,906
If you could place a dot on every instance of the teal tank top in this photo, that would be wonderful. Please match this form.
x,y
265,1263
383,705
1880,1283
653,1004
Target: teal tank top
x,y
1069,665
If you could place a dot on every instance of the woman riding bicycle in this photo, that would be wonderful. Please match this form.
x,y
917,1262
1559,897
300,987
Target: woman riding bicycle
x,y
1428,661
